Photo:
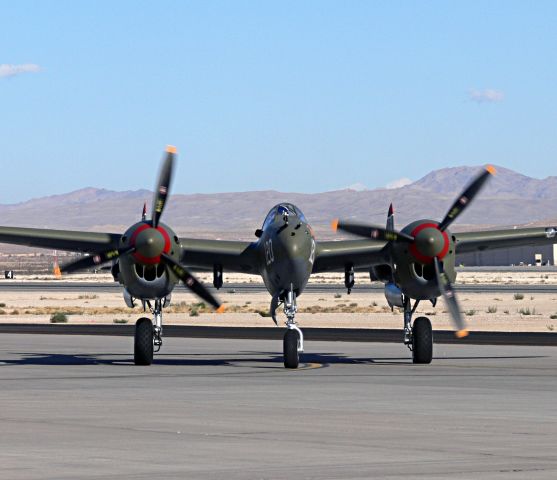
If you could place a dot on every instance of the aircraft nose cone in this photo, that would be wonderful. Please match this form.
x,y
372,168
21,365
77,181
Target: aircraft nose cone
x,y
150,243
293,254
430,242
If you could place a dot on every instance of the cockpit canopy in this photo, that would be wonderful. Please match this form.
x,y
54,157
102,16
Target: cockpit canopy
x,y
283,209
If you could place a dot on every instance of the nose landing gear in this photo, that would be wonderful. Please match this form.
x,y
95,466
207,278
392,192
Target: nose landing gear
x,y
293,343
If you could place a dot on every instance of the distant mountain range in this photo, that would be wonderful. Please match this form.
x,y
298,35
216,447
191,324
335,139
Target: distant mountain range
x,y
509,199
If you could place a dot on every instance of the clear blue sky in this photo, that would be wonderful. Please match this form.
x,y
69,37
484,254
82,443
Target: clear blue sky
x,y
296,96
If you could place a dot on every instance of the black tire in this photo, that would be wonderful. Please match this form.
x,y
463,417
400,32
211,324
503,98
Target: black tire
x,y
143,342
290,349
422,341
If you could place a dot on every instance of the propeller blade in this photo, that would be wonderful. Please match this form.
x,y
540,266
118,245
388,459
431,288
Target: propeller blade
x,y
466,197
95,259
163,186
450,299
192,283
371,231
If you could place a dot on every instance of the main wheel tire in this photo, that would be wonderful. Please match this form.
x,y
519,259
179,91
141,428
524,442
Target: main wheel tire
x,y
143,342
422,341
290,349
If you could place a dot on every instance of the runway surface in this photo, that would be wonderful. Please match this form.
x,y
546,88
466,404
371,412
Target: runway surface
x,y
75,407
271,333
52,286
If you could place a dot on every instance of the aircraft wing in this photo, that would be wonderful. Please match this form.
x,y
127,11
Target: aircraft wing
x,y
336,255
60,239
241,257
493,239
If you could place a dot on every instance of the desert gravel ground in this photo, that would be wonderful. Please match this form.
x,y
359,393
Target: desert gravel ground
x,y
483,311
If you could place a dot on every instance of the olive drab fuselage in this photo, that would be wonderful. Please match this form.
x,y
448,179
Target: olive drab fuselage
x,y
286,249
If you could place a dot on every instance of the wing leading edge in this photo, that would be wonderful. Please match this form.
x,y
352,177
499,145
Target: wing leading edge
x,y
70,240
242,257
489,240
198,253
362,254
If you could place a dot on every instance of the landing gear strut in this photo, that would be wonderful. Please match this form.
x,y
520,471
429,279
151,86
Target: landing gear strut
x,y
148,336
419,337
293,343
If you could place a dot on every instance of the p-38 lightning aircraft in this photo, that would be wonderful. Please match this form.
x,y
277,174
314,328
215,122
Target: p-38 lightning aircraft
x,y
417,262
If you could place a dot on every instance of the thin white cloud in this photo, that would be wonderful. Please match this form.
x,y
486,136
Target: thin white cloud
x,y
358,187
399,183
489,95
7,70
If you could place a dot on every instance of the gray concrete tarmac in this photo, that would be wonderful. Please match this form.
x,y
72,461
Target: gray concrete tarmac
x,y
75,408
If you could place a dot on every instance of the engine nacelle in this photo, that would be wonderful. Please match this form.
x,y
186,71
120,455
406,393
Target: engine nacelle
x,y
145,276
415,271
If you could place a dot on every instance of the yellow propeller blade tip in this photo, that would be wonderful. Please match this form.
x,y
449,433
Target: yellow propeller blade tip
x,y
462,333
221,309
491,169
171,149
334,225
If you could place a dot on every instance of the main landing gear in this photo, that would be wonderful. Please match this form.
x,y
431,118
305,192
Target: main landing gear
x,y
148,337
418,337
293,343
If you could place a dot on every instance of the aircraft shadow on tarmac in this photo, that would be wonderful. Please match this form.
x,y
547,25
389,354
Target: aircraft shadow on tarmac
x,y
241,359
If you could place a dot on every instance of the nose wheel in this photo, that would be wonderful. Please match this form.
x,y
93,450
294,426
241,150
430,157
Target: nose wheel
x,y
418,337
290,347
148,337
422,341
143,342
